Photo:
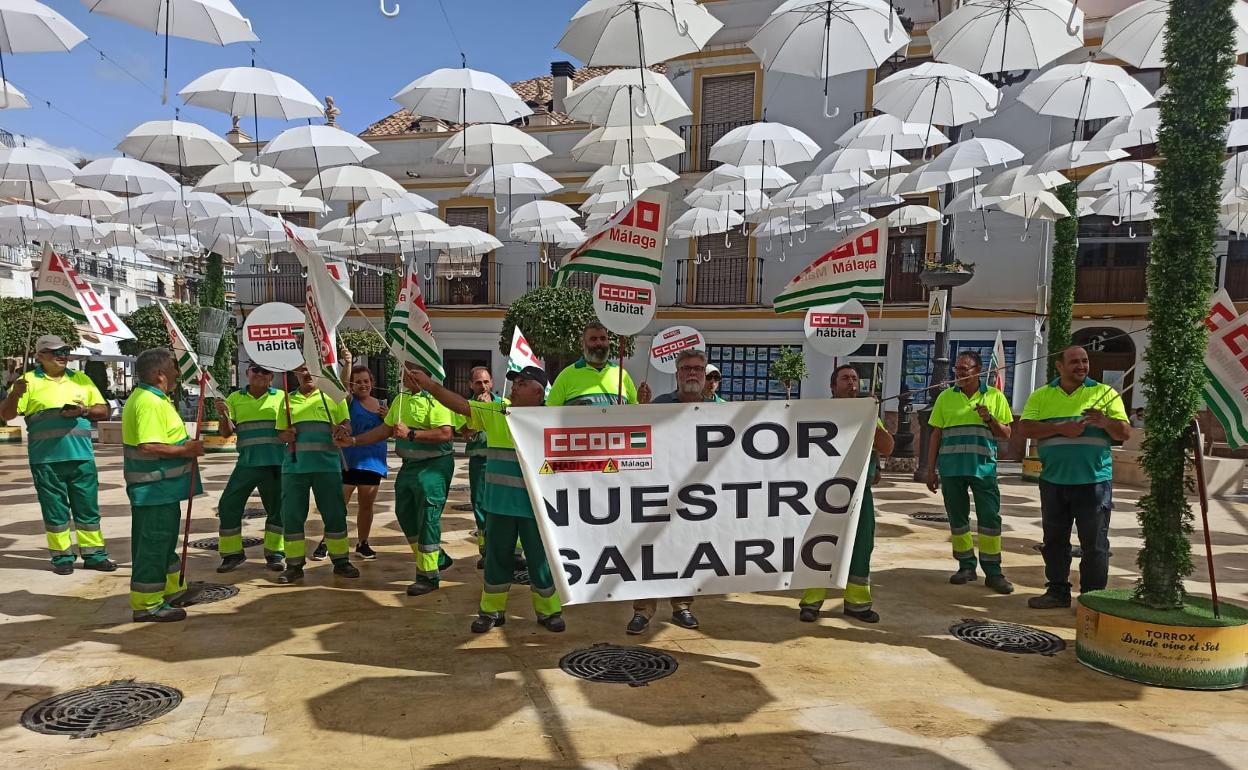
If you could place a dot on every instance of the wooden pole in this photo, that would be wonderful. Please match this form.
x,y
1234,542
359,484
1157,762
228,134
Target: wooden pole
x,y
190,498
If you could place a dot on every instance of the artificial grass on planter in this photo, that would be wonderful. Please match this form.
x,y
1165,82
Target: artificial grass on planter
x,y
1160,675
1197,611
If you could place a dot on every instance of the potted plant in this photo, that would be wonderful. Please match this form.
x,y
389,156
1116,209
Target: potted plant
x,y
940,275
789,369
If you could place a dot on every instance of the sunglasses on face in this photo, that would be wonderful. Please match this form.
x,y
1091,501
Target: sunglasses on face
x,y
714,377
59,352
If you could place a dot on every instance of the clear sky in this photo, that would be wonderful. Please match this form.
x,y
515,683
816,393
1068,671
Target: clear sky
x,y
341,48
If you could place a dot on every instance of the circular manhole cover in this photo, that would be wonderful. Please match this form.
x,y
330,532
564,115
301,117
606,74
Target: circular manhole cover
x,y
207,593
100,709
210,543
462,507
1007,637
930,516
520,577
633,666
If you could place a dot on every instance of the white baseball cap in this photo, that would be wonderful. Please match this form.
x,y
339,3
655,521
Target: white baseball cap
x,y
712,369
49,342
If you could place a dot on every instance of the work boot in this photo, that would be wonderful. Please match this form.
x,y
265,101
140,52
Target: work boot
x,y
162,614
100,565
189,596
321,552
553,623
999,584
519,563
274,563
346,569
866,616
290,575
231,562
422,586
481,563
487,620
1076,552
444,561
963,576
684,619
638,624
63,567
1048,601
808,614
365,551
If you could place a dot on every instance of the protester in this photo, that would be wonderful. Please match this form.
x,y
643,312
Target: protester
x,y
422,429
593,380
858,591
713,380
366,464
159,469
475,449
59,405
1074,419
315,421
508,510
967,421
1137,417
251,412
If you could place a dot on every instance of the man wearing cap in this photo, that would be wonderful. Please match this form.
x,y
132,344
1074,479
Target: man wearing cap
x,y
475,449
593,380
1074,419
508,511
252,413
59,405
713,380
422,429
160,472
314,467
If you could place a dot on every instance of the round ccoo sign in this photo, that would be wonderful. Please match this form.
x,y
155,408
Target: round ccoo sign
x,y
837,330
625,305
668,344
271,336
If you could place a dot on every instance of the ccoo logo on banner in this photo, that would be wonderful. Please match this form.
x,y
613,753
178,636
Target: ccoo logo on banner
x,y
673,500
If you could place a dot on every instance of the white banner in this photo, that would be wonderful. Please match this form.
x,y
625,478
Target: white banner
x,y
680,500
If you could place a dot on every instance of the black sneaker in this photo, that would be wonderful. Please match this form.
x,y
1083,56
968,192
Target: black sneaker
x,y
963,576
321,552
290,575
231,562
365,551
999,584
346,569
274,563
101,565
63,567
519,563
422,586
162,614
684,619
487,620
638,624
1048,601
866,616
553,623
1076,552
808,614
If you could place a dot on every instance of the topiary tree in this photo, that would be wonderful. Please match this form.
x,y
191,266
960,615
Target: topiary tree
x,y
212,294
361,342
790,368
553,319
149,327
14,342
1199,53
1062,284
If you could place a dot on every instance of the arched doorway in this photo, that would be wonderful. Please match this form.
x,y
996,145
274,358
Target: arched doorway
x,y
1111,354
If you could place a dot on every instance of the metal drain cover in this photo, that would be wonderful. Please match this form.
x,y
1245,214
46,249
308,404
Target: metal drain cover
x,y
207,593
100,709
1007,637
930,516
520,577
210,543
254,513
633,666
462,507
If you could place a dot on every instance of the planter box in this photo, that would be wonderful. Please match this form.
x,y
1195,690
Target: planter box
x,y
943,279
11,434
214,444
108,432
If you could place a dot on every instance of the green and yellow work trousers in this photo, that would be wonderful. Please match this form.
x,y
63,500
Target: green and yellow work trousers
x,y
245,480
156,574
476,486
66,491
419,495
957,491
858,588
326,486
500,532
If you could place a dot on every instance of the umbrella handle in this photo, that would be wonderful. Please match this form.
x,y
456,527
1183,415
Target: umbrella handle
x,y
1073,155
389,14
944,220
1070,28
835,110
626,171
782,255
803,238
902,229
642,110
727,245
1130,231
256,169
1117,221
682,27
769,245
428,272
498,210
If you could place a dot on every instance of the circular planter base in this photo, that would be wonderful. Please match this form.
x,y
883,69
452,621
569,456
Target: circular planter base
x,y
10,434
1186,648
1031,469
214,444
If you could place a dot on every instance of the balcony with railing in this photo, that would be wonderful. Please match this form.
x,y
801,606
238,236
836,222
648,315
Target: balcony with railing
x,y
463,291
699,138
720,281
538,274
901,276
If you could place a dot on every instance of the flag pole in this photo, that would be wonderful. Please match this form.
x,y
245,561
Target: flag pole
x,y
1203,489
290,422
190,498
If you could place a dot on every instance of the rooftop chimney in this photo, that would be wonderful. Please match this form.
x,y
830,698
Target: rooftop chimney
x,y
561,73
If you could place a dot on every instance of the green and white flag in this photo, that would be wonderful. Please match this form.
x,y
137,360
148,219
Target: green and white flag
x,y
1226,367
60,289
410,334
853,269
188,364
630,245
326,303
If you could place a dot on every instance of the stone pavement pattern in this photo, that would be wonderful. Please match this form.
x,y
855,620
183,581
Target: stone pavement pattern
x,y
345,674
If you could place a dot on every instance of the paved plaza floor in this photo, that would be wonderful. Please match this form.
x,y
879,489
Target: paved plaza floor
x,y
354,674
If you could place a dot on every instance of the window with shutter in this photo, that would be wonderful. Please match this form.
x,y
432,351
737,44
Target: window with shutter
x,y
460,288
727,101
725,279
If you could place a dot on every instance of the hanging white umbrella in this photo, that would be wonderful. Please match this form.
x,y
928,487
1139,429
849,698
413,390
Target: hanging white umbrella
x,y
175,206
750,202
1116,175
491,144
460,239
252,91
834,182
889,133
1128,131
793,199
608,202
207,21
912,216
727,176
999,35
125,175
971,155
353,183
243,177
1133,205
925,179
971,199
315,147
27,26
637,32
411,223
464,96
854,159
618,145
29,216
780,227
1136,34
85,202
1023,179
763,143
886,185
823,38
698,222
537,212
177,142
934,92
557,231
74,231
1074,155
11,98
1040,204
846,220
385,208
287,200
613,178
627,95
1087,91
512,178
26,166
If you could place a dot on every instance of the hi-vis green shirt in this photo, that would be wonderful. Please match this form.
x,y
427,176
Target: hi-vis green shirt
x,y
583,385
314,433
1084,459
150,417
255,422
475,446
505,492
420,411
967,446
53,438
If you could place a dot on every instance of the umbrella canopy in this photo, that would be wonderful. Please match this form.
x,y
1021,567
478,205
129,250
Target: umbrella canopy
x,y
886,185
972,199
1133,205
912,216
177,143
125,175
460,239
513,178
622,177
853,159
1042,205
750,201
85,202
889,133
27,26
609,202
763,143
836,181
411,223
846,220
1016,181
1074,155
727,176
175,206
252,91
973,154
353,183
637,32
537,212
11,98
697,222
385,208
627,96
29,216
822,38
779,227
243,177
463,95
287,200
1128,131
618,145
561,231
1136,34
1087,91
491,143
315,147
934,92
1119,176
999,35
27,164
791,200
926,179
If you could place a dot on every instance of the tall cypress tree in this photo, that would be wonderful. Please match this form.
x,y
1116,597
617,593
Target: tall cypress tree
x,y
1062,284
212,294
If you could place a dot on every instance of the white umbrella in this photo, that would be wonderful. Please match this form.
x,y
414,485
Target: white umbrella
x,y
833,182
252,91
12,99
912,216
608,202
624,96
1000,35
29,216
174,206
287,200
971,199
1074,155
823,38
515,178
27,26
936,93
726,176
460,239
85,202
1023,179
552,231
490,144
386,208
792,198
243,177
411,223
1040,204
463,95
353,183
617,145
207,21
622,177
1118,175
782,227
315,147
637,32
698,222
28,166
763,143
347,229
1128,131
1133,205
125,175
1136,34
853,159
537,212
886,185
1087,91
846,220
972,155
750,202
926,179
177,142
889,133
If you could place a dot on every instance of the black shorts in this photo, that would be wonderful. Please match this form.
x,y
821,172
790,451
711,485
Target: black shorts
x,y
361,478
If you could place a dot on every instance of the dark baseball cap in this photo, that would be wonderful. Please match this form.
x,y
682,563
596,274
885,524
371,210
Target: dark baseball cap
x,y
529,373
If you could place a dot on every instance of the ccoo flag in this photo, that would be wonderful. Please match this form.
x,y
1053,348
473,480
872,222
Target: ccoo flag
x,y
521,354
1226,370
853,269
188,365
630,244
326,302
60,289
996,365
410,334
